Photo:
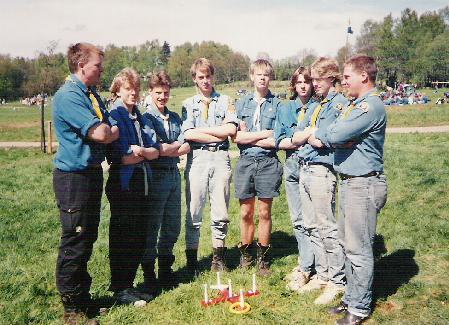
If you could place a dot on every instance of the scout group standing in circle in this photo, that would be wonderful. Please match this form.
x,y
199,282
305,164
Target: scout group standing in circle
x,y
331,141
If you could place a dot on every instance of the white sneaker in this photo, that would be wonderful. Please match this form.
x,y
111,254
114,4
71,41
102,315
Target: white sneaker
x,y
314,284
300,279
330,292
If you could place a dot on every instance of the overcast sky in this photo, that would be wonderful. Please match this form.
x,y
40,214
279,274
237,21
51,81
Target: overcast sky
x,y
279,27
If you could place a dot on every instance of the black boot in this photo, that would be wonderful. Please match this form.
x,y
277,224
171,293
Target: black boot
x,y
78,309
165,274
263,265
218,260
246,259
192,262
150,283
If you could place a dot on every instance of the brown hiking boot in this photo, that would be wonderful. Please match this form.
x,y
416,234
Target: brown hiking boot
x,y
77,317
246,259
218,260
263,265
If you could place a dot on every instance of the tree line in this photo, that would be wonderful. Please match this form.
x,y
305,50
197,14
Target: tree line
x,y
412,48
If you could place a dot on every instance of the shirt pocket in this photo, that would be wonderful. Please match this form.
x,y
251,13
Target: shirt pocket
x,y
219,116
175,131
268,119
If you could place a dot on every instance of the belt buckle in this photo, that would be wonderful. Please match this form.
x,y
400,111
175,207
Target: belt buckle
x,y
213,149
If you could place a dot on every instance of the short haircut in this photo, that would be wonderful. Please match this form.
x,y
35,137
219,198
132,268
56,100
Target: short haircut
x,y
262,64
202,64
159,79
362,63
300,71
80,52
127,75
326,68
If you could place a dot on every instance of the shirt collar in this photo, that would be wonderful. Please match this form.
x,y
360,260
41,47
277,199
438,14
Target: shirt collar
x,y
73,78
213,96
153,110
269,97
368,94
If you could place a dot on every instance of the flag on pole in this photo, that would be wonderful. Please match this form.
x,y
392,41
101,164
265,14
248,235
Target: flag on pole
x,y
349,30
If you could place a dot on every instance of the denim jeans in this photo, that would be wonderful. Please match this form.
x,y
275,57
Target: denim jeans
x,y
291,172
317,191
361,199
164,224
207,174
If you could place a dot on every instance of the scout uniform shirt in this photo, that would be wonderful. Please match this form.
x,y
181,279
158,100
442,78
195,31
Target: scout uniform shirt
x,y
289,117
168,130
196,113
364,121
258,118
77,109
320,117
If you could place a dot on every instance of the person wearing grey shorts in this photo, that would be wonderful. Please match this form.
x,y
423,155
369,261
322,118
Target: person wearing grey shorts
x,y
258,171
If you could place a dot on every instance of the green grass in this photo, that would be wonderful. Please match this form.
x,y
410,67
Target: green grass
x,y
411,284
22,123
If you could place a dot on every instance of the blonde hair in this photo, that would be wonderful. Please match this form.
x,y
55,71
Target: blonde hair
x,y
327,68
127,75
80,52
262,64
202,64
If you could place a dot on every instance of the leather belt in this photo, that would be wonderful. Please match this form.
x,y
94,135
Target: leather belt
x,y
210,148
371,174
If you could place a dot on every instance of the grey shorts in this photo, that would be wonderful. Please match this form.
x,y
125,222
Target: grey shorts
x,y
257,176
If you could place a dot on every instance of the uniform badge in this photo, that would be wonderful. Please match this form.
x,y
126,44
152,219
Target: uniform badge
x,y
364,106
339,106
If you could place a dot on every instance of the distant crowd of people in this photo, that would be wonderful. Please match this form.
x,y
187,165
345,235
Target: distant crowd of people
x,y
35,100
403,94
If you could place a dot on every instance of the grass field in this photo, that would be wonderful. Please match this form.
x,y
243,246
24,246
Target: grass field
x,y
22,123
411,282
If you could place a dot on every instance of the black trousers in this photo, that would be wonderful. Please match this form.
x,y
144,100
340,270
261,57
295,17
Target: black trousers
x,y
127,230
78,196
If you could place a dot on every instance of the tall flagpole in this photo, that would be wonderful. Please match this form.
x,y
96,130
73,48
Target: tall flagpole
x,y
347,39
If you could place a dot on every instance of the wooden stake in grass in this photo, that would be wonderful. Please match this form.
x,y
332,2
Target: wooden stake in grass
x,y
50,138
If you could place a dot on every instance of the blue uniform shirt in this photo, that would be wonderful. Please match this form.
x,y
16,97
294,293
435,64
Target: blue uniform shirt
x,y
219,109
73,116
246,108
128,137
331,109
288,119
174,134
363,121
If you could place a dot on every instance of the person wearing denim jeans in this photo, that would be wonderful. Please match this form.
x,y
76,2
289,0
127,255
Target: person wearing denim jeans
x,y
358,137
208,120
317,184
289,117
164,223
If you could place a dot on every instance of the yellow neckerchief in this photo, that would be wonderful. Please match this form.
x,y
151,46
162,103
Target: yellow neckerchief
x,y
316,112
92,98
302,114
205,113
352,106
